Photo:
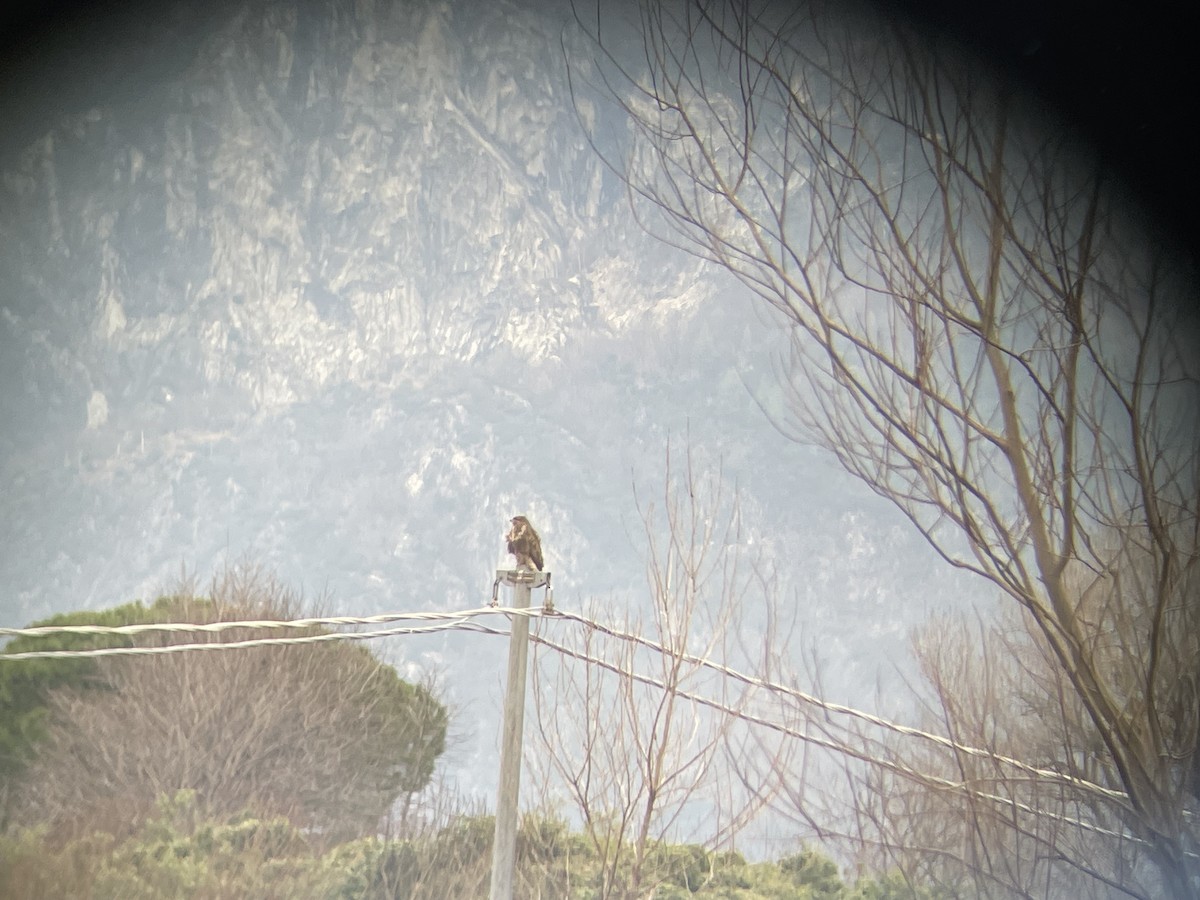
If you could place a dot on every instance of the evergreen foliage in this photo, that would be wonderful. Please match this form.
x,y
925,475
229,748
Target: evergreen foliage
x,y
176,855
324,734
25,687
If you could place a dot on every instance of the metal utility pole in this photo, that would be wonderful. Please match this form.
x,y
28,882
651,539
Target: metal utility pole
x,y
504,844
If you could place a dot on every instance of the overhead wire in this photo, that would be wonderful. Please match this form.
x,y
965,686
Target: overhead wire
x,y
828,743
460,620
463,621
313,622
443,621
468,621
1119,798
841,709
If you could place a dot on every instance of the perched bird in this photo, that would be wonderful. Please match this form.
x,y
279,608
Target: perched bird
x,y
524,544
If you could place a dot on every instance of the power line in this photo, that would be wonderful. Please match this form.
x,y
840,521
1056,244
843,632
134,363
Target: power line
x,y
448,621
192,627
837,746
463,621
870,718
466,621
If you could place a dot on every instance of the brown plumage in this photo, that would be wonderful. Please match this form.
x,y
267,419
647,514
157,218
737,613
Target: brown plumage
x,y
524,544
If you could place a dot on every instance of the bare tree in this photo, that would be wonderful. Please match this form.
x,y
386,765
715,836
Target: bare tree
x,y
322,733
1051,829
618,738
981,331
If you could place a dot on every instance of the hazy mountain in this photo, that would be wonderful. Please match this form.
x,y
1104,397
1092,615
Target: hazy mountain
x,y
340,294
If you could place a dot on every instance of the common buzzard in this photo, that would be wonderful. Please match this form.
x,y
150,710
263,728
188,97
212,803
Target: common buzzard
x,y
524,544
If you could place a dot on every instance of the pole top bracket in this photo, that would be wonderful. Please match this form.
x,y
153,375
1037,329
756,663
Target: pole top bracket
x,y
526,578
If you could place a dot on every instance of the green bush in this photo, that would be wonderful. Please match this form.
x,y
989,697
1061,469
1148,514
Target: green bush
x,y
179,854
25,686
814,872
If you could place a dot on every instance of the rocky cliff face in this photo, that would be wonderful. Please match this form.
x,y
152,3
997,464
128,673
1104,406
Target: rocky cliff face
x,y
321,200
345,292
355,203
